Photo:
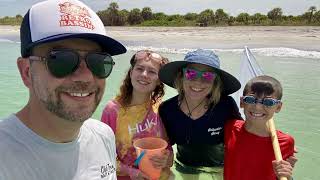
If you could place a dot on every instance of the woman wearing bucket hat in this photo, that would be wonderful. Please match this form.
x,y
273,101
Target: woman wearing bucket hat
x,y
133,114
194,119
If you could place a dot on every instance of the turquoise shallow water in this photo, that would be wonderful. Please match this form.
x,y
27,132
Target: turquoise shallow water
x,y
299,76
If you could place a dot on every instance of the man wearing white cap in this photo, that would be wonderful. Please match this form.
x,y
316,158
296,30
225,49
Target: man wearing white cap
x,y
66,57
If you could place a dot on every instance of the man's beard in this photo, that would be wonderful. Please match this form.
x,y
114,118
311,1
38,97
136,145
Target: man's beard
x,y
60,109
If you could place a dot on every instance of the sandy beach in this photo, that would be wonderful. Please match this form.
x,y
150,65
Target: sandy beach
x,y
302,38
234,37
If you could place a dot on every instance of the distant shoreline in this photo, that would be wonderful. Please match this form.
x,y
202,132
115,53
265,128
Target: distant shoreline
x,y
229,37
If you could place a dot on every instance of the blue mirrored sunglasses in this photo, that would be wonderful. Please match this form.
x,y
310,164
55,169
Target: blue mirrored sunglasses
x,y
269,102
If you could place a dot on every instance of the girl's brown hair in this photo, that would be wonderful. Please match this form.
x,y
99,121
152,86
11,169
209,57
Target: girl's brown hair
x,y
125,95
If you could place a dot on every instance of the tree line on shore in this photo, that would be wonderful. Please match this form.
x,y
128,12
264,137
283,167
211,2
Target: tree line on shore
x,y
113,16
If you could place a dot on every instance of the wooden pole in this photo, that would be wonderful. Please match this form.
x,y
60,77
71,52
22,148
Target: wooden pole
x,y
275,142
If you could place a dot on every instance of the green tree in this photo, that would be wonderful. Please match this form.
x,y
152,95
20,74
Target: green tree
x,y
113,13
122,17
221,17
146,13
295,20
160,16
258,18
311,10
111,16
305,17
175,17
231,20
18,16
275,15
206,17
191,16
104,17
317,16
114,17
290,19
243,18
11,20
135,16
113,6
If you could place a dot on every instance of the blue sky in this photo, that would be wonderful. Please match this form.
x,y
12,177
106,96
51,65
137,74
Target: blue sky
x,y
233,7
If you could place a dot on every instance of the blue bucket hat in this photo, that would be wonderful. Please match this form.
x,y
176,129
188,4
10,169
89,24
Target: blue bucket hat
x,y
168,72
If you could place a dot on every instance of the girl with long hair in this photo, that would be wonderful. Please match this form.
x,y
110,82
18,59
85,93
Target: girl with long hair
x,y
133,114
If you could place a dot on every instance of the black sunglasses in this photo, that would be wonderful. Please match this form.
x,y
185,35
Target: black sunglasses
x,y
64,62
269,102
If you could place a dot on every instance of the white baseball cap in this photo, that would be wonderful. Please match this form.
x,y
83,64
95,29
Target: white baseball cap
x,y
54,20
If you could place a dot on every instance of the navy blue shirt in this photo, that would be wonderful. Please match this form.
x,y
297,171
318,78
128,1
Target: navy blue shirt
x,y
199,142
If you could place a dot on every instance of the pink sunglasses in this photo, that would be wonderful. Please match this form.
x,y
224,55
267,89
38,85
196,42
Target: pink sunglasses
x,y
192,74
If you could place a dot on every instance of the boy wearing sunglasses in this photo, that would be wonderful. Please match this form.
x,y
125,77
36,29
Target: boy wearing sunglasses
x,y
66,57
248,147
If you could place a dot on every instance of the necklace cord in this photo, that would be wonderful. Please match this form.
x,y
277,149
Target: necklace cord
x,y
190,112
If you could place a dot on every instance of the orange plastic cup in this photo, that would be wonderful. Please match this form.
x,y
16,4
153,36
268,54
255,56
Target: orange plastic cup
x,y
151,146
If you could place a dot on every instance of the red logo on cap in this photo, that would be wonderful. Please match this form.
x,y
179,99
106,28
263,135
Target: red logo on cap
x,y
74,15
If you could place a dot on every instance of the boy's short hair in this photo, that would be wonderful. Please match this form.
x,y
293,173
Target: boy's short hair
x,y
263,85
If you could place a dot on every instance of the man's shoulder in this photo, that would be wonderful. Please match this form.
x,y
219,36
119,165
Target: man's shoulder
x,y
97,126
97,135
5,120
10,132
7,123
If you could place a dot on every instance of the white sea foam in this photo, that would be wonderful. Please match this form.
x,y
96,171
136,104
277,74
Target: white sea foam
x,y
287,52
6,40
276,52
